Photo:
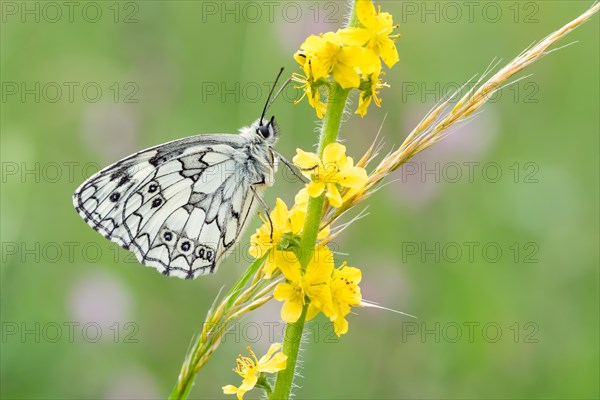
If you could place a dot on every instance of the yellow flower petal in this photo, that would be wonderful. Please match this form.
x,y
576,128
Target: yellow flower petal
x,y
354,36
272,362
301,199
313,44
320,296
249,381
279,215
345,163
353,177
388,53
230,389
340,326
333,195
289,265
297,217
291,310
277,363
318,276
323,233
363,105
256,250
353,274
272,350
320,109
346,76
370,64
385,23
269,266
345,293
315,189
365,11
284,291
325,59
306,160
334,153
312,311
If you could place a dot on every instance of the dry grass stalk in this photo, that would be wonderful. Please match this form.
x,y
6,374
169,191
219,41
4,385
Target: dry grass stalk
x,y
216,325
435,126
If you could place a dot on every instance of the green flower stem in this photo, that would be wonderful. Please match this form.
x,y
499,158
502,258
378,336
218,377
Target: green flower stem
x,y
263,382
336,101
353,22
291,345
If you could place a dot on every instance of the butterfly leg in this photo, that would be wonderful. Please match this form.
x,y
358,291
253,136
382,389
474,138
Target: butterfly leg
x,y
266,207
290,166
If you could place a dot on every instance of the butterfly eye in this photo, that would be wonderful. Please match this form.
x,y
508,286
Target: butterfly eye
x,y
263,130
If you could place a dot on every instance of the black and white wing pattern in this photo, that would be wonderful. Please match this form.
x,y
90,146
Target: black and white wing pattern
x,y
178,207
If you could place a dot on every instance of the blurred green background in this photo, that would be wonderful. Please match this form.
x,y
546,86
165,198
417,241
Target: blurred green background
x,y
490,238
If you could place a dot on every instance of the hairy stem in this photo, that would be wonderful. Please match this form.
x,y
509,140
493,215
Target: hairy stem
x,y
336,101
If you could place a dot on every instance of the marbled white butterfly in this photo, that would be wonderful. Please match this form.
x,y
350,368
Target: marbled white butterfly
x,y
181,205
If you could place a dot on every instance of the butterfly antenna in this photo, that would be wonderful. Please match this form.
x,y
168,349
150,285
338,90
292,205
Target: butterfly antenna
x,y
287,82
270,93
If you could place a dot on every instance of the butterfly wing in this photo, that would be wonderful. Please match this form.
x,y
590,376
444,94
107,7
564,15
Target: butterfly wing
x,y
178,207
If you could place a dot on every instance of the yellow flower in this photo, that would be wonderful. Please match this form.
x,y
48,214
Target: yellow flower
x,y
250,369
262,241
368,62
334,169
270,265
298,211
377,32
327,55
311,91
287,225
313,283
345,293
370,93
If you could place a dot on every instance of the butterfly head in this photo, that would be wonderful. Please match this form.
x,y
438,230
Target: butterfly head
x,y
267,130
